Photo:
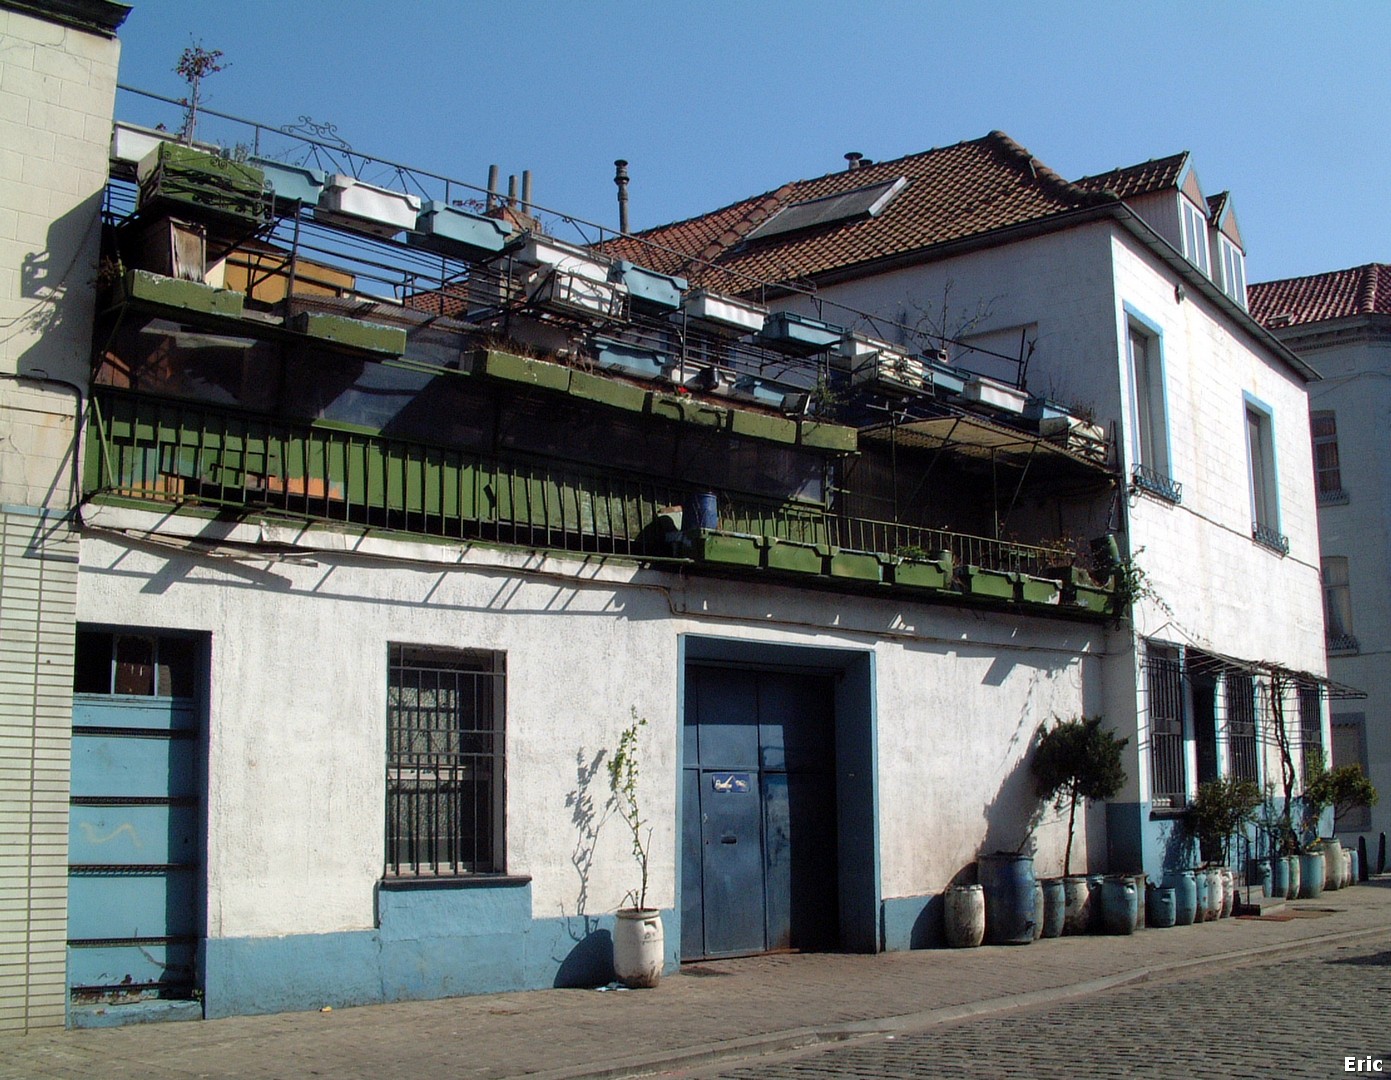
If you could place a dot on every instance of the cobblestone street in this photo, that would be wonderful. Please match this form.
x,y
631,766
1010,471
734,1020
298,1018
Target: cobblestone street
x,y
1289,1018
1287,995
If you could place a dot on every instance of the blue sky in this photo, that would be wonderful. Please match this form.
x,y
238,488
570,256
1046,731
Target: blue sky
x,y
1282,103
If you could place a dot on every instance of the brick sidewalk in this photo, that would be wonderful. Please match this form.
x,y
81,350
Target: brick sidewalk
x,y
719,1008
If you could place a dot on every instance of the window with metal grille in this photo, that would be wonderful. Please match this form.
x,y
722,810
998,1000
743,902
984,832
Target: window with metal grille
x,y
1164,688
1350,748
1310,726
1242,759
1337,604
1327,468
444,763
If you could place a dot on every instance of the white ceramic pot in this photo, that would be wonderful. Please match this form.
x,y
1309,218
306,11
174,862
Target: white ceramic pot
x,y
639,951
965,916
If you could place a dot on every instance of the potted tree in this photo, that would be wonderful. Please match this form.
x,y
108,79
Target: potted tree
x,y
1076,761
638,941
1222,808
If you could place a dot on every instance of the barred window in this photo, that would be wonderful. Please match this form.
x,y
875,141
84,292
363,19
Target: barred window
x,y
1241,727
1164,686
444,763
1310,725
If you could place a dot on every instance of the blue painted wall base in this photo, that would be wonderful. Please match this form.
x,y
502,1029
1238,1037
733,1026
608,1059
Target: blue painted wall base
x,y
912,922
430,943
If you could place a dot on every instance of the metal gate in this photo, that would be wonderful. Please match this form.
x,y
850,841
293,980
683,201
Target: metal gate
x,y
759,869
135,868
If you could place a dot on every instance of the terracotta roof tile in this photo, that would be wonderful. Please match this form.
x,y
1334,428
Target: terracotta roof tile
x,y
1133,180
953,193
1339,294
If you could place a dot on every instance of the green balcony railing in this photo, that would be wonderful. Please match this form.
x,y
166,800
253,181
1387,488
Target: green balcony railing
x,y
157,449
165,451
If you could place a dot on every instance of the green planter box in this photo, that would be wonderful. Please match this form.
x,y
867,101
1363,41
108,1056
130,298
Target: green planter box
x,y
1092,598
523,369
151,288
762,426
827,436
920,574
203,181
604,391
788,556
855,565
354,333
727,549
987,584
1037,590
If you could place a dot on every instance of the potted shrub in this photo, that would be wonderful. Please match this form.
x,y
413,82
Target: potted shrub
x,y
1222,808
1076,761
638,941
1344,788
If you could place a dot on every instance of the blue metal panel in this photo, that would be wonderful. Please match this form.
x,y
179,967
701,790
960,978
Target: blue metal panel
x,y
133,834
131,965
727,706
732,862
692,876
153,904
126,766
135,849
796,721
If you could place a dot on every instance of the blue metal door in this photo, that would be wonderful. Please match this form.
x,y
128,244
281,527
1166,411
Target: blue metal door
x,y
759,869
135,868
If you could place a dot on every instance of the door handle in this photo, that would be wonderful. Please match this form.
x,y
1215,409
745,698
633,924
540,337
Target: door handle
x,y
729,839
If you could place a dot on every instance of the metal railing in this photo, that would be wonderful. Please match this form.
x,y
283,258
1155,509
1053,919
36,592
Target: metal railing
x,y
1156,483
179,452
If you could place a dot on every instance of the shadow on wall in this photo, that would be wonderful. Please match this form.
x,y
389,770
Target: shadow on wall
x,y
57,282
590,961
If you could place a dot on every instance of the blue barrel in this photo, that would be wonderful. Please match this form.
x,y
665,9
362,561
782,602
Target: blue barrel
x,y
702,511
1185,895
1356,866
1311,875
1118,904
1008,881
1094,921
1263,871
1279,877
1054,906
1159,906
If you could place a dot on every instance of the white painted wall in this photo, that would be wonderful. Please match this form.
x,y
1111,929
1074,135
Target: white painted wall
x,y
1356,385
1212,585
297,711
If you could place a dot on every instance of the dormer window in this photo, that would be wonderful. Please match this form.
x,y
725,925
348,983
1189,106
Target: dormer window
x,y
1233,270
1195,246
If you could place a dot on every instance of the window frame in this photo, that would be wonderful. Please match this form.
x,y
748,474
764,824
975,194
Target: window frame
x,y
1233,269
1151,456
1243,722
1327,466
1337,603
1263,474
1166,682
472,841
1196,246
1356,723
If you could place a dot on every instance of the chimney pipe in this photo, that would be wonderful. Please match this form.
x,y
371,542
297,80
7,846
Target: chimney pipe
x,y
492,187
526,191
512,192
620,177
854,160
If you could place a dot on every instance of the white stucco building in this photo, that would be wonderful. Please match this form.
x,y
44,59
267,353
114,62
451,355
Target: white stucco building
x,y
1341,322
393,513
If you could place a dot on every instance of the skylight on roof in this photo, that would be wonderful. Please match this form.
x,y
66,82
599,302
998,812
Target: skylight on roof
x,y
865,202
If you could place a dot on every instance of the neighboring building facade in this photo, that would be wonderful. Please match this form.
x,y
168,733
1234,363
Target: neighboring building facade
x,y
395,515
1341,322
1123,295
59,86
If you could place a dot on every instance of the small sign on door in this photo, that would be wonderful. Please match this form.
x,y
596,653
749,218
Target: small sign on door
x,y
731,783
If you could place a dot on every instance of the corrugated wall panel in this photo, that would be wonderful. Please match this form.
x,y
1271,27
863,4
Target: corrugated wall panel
x,y
38,589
